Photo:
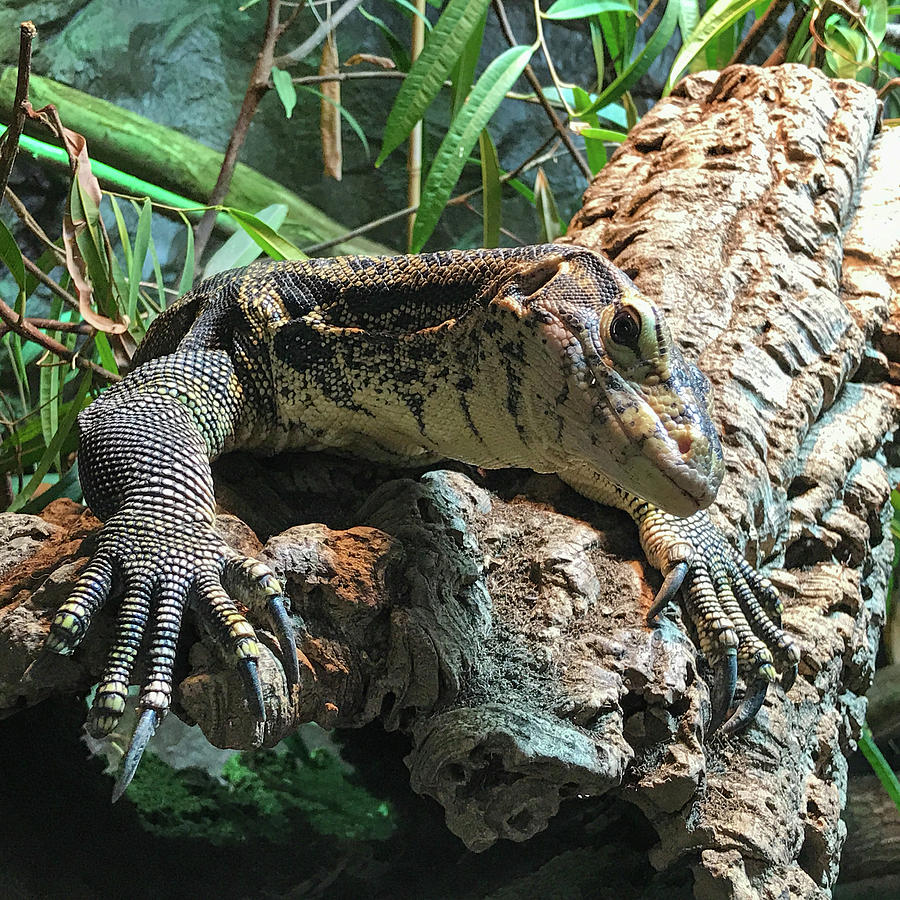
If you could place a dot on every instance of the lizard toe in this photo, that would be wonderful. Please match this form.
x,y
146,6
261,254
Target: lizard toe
x,y
232,633
254,584
73,618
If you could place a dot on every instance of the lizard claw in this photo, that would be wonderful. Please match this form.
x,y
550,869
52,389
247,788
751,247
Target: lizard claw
x,y
146,728
748,708
724,686
284,630
669,591
249,672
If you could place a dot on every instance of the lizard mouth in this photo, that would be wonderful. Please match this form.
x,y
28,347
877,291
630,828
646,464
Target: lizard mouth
x,y
668,455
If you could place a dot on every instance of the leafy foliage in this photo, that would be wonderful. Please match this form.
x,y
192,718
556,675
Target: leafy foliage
x,y
276,796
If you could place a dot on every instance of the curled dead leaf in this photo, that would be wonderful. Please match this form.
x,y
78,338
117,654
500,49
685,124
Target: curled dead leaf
x,y
330,116
383,62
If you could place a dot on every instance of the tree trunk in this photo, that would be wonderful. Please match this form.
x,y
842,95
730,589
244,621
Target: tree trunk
x,y
499,620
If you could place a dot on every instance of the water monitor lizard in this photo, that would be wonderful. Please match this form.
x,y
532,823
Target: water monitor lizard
x,y
542,357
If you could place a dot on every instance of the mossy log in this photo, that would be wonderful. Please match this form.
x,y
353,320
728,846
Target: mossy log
x,y
163,156
499,620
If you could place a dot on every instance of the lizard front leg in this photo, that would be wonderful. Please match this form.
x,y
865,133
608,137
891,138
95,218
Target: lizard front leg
x,y
735,611
144,461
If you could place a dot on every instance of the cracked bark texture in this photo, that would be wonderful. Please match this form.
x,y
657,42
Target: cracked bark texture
x,y
498,619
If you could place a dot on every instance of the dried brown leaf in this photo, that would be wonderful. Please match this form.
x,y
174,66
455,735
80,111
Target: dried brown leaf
x,y
383,62
330,116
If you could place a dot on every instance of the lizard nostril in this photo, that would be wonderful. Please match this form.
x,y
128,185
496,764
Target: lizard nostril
x,y
684,445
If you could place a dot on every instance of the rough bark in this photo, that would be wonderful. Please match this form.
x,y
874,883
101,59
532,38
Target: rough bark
x,y
499,619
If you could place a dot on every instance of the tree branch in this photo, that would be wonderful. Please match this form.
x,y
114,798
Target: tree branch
x,y
561,129
29,332
318,35
10,147
256,89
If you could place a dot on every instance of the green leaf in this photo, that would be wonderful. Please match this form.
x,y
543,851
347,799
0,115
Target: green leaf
x,y
603,134
597,47
67,486
105,354
54,446
136,270
405,4
846,48
689,16
124,238
426,77
266,237
491,188
876,19
464,71
880,765
285,89
49,385
12,256
450,158
639,66
581,9
545,204
187,273
720,16
157,276
240,249
347,115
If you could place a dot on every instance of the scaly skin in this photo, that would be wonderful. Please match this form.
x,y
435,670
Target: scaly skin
x,y
542,357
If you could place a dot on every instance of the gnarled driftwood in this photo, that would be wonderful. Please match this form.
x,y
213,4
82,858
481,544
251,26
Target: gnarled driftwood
x,y
499,619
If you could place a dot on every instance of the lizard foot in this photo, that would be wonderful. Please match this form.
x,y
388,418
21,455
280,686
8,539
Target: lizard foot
x,y
159,568
735,611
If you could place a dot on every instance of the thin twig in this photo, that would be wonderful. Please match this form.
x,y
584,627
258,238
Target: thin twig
x,y
53,325
351,76
318,35
532,79
10,146
757,32
49,283
256,89
29,332
25,217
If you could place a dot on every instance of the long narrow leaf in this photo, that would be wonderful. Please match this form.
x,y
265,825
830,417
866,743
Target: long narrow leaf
x,y
581,9
880,766
187,273
271,242
441,51
547,211
451,156
348,117
464,70
48,388
124,238
490,183
12,256
241,249
139,255
54,446
721,15
639,66
157,274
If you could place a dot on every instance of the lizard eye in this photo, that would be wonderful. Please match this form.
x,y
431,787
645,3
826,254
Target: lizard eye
x,y
625,327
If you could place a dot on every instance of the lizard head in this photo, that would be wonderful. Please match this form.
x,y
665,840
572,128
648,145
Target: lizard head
x,y
625,402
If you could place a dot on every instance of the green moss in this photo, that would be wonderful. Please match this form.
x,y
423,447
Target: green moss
x,y
271,795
